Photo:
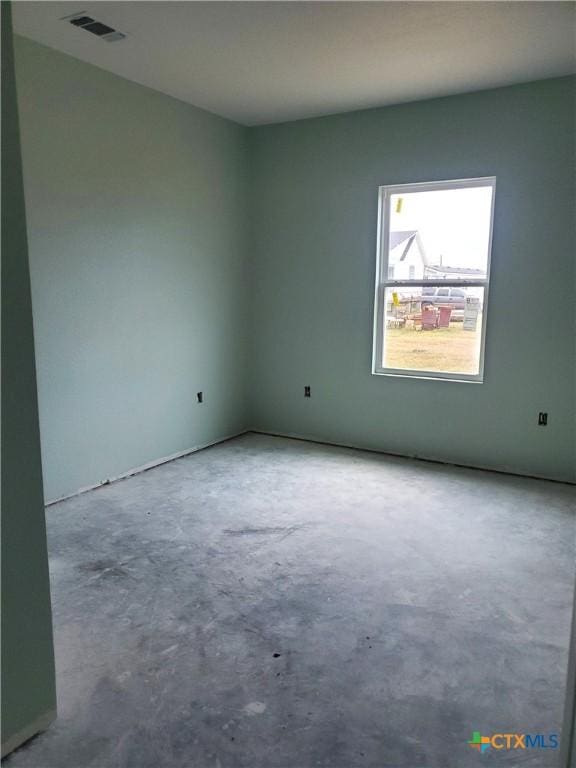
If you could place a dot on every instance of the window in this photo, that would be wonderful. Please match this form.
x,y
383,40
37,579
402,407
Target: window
x,y
432,278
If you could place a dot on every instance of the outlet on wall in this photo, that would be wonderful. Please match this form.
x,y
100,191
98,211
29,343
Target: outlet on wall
x,y
200,397
542,419
307,392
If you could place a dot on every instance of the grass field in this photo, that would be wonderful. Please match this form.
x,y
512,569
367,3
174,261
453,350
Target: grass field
x,y
452,350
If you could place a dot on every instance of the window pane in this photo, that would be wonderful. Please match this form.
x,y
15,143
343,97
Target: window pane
x,y
434,333
440,234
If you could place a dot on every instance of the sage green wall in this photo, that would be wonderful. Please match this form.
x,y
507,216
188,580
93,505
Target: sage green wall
x,y
138,226
314,211
28,692
137,231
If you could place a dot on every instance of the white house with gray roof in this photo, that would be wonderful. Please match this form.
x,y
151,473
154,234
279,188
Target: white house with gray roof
x,y
406,256
407,260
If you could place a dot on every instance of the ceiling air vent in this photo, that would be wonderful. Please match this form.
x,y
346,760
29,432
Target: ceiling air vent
x,y
83,21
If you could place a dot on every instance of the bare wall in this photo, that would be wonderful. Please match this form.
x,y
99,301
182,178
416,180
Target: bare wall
x,y
137,223
28,685
141,278
314,212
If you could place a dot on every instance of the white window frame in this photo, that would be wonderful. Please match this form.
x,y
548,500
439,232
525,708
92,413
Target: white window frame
x,y
383,282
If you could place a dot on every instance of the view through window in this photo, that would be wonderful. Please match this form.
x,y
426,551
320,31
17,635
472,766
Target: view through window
x,y
432,278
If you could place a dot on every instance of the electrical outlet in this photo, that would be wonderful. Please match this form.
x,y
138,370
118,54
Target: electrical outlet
x,y
542,419
307,392
199,397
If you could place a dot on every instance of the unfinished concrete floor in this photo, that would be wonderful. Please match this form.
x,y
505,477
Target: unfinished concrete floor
x,y
270,603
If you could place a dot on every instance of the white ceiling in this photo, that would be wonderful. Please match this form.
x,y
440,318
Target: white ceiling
x,y
265,62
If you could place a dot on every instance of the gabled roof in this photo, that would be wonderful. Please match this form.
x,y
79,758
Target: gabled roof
x,y
398,237
408,236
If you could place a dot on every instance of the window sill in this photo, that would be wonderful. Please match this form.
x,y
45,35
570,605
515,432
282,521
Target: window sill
x,y
430,376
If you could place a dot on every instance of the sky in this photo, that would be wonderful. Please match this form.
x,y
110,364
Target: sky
x,y
453,223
